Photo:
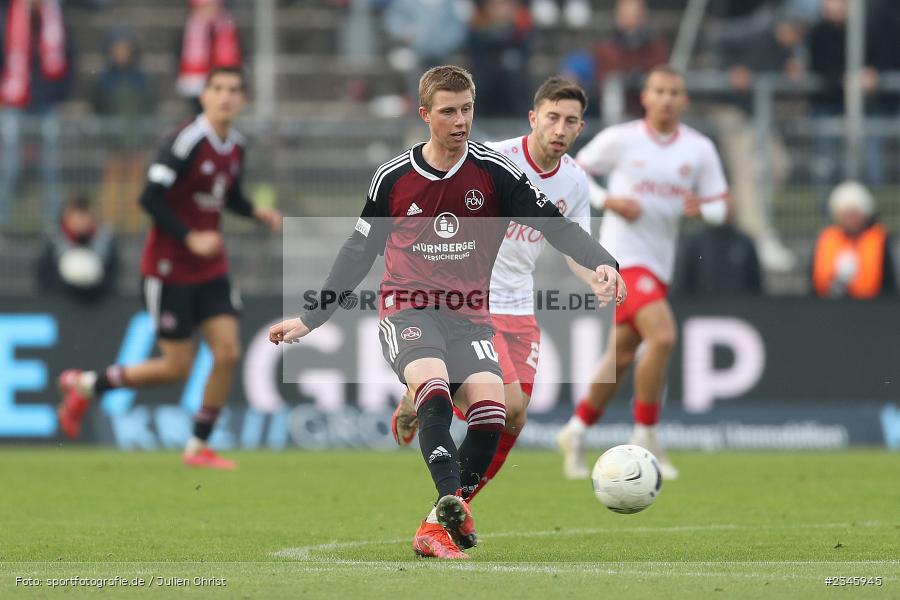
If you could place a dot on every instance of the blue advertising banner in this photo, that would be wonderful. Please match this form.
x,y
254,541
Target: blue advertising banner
x,y
790,374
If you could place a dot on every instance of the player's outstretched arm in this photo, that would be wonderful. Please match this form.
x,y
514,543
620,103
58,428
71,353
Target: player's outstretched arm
x,y
526,204
592,280
609,286
353,262
288,331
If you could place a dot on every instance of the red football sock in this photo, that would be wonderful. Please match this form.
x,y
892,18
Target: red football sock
x,y
587,413
506,443
646,413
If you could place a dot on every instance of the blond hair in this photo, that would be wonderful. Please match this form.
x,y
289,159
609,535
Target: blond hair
x,y
447,78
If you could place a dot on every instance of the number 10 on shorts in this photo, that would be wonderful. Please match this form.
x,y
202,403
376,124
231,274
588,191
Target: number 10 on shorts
x,y
484,349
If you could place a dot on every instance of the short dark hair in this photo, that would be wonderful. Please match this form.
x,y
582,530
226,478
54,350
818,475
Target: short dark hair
x,y
665,69
446,78
558,88
79,202
229,70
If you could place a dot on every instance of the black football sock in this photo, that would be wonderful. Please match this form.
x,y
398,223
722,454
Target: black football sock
x,y
110,378
204,421
435,412
486,419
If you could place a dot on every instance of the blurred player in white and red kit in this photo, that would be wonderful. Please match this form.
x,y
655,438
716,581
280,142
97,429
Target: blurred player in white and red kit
x,y
556,121
658,171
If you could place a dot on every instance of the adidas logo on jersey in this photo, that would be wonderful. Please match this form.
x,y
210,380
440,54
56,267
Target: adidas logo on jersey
x,y
413,210
438,452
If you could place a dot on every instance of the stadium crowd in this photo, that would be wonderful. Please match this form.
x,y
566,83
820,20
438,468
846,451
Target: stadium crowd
x,y
508,45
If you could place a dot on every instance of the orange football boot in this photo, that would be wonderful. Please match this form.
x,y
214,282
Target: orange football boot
x,y
454,515
432,540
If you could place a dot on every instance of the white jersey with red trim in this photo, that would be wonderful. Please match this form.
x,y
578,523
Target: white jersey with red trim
x,y
512,284
657,171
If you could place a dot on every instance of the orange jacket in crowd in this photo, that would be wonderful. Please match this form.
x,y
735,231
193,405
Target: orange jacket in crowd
x,y
853,266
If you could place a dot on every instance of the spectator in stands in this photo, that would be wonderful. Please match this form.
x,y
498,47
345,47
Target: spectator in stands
x,y
577,13
827,58
500,41
434,30
853,258
632,51
79,258
427,33
123,95
37,65
579,66
718,261
752,38
210,40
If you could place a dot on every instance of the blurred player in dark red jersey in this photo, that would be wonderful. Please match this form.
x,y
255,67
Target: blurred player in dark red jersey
x,y
186,287
439,213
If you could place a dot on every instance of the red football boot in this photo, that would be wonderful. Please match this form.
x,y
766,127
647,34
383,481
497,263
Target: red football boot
x,y
454,515
432,540
207,459
74,403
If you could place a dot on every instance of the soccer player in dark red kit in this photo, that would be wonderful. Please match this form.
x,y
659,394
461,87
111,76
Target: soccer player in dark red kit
x,y
186,287
439,213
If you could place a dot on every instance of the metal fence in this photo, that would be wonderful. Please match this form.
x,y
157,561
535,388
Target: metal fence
x,y
322,167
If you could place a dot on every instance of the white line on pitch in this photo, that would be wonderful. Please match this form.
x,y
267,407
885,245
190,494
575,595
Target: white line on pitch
x,y
303,552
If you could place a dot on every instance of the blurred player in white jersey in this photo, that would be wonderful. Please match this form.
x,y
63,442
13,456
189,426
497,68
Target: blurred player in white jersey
x,y
658,170
556,121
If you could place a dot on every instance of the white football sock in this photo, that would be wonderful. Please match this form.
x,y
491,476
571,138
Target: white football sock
x,y
194,445
577,425
432,516
644,432
86,382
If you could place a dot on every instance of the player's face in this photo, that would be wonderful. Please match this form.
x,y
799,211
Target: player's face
x,y
556,125
223,97
664,98
450,118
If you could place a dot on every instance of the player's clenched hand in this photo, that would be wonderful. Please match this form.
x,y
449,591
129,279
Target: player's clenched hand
x,y
204,243
270,216
692,206
609,285
627,208
288,331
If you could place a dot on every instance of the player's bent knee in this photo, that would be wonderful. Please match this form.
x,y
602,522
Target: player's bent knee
x,y
624,359
664,340
226,355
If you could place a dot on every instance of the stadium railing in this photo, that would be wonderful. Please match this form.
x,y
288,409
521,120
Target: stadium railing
x,y
321,167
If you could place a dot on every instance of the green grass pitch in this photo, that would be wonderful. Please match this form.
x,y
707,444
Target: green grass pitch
x,y
339,525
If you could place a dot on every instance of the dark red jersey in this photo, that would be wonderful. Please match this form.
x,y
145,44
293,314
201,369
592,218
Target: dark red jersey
x,y
440,233
195,176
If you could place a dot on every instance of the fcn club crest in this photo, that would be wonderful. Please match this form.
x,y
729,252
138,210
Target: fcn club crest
x,y
411,333
474,199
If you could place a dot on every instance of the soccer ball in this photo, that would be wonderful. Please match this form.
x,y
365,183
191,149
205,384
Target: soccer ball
x,y
626,479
